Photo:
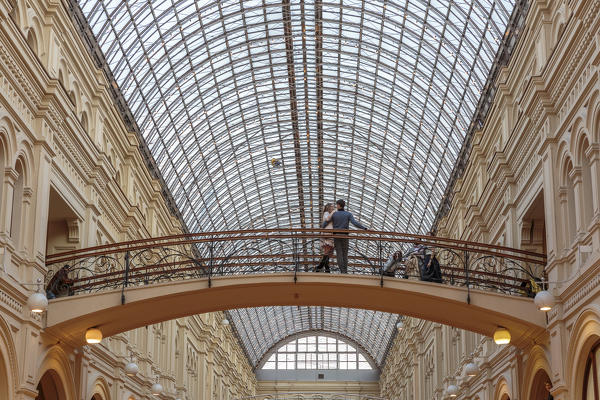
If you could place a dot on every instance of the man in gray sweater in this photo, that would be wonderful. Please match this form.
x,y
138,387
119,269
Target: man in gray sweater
x,y
341,220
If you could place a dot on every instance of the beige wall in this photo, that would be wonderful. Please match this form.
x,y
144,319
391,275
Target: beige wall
x,y
71,176
540,142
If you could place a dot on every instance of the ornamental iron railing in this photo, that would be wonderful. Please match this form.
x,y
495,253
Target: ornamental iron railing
x,y
205,255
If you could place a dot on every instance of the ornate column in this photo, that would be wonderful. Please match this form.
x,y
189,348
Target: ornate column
x,y
25,233
563,216
40,222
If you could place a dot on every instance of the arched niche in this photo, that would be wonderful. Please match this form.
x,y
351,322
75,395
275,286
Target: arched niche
x,y
100,390
537,373
55,376
538,386
585,336
50,387
502,390
5,382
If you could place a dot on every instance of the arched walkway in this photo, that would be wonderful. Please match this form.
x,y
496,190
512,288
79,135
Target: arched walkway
x,y
69,317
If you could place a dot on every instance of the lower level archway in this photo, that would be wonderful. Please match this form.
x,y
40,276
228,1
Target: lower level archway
x,y
538,388
50,387
4,379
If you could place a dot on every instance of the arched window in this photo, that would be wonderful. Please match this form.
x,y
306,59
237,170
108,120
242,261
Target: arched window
x,y
84,121
591,378
32,41
17,204
317,352
571,222
587,200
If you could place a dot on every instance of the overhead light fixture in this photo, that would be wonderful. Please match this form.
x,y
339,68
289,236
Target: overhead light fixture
x,y
502,336
471,369
225,321
452,390
93,336
37,302
400,325
544,300
156,389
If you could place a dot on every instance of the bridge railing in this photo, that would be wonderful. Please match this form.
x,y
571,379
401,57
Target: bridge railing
x,y
209,254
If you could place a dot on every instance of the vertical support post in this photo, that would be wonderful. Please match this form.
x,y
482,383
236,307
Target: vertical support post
x,y
126,277
380,255
296,257
467,277
210,262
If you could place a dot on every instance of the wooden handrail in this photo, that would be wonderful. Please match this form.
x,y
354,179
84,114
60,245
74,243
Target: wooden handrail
x,y
522,255
407,237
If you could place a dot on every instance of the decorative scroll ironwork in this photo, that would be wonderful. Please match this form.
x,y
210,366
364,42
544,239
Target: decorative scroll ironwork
x,y
387,254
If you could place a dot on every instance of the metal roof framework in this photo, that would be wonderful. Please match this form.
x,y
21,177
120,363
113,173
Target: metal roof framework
x,y
257,113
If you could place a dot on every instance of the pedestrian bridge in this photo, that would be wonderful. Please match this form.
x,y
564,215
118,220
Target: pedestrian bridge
x,y
124,286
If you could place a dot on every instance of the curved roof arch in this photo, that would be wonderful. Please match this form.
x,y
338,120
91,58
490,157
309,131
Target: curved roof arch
x,y
364,100
276,346
269,327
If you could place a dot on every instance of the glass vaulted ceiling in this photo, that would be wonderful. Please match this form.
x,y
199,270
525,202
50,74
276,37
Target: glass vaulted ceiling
x,y
363,100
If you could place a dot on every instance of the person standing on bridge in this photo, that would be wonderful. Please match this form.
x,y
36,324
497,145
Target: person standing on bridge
x,y
342,219
327,243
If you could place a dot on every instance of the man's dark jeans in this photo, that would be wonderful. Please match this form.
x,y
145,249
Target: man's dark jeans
x,y
341,254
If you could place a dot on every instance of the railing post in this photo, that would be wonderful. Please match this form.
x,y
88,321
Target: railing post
x,y
380,252
467,277
126,278
296,257
210,262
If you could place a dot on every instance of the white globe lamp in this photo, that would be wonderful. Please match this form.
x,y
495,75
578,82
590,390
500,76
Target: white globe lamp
x,y
471,369
544,300
131,369
37,302
452,390
156,389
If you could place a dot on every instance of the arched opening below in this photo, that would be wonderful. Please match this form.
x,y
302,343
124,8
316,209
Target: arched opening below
x,y
50,387
591,377
4,382
538,387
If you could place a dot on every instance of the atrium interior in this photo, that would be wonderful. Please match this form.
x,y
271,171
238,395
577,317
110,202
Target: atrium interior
x,y
300,199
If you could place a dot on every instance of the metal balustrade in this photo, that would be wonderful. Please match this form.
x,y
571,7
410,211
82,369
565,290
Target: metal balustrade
x,y
209,254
